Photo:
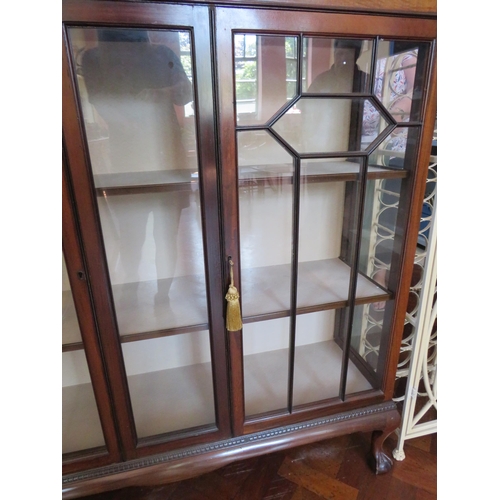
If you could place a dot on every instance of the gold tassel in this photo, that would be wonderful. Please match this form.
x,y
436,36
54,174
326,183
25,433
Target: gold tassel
x,y
233,313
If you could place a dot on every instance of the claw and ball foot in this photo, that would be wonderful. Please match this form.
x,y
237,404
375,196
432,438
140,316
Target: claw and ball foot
x,y
378,460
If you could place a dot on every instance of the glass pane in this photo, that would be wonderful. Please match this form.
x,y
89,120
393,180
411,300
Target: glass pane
x,y
379,223
396,76
327,125
265,72
322,277
266,352
170,382
338,65
81,426
327,218
318,359
382,201
154,248
370,334
397,150
136,89
137,97
266,211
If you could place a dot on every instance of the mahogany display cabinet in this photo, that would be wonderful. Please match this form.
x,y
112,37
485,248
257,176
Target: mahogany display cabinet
x,y
226,290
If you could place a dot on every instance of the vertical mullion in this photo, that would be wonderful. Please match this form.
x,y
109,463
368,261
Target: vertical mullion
x,y
300,62
295,248
294,279
354,250
351,301
373,72
358,219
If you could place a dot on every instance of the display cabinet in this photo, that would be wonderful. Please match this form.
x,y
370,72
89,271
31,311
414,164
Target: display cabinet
x,y
208,145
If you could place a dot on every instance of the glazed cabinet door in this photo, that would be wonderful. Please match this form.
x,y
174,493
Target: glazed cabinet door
x,y
140,114
322,117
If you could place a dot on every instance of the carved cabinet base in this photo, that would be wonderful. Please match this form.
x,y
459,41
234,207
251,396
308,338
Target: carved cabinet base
x,y
190,462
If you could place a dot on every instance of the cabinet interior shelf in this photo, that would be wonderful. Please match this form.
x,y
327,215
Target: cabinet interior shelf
x,y
317,377
265,295
185,180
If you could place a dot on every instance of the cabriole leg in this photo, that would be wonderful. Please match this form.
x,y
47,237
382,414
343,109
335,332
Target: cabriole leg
x,y
378,460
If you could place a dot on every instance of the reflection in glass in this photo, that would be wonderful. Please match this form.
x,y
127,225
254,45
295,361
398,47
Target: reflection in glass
x,y
170,382
370,334
266,352
379,222
137,97
338,65
265,72
395,77
396,149
155,257
136,89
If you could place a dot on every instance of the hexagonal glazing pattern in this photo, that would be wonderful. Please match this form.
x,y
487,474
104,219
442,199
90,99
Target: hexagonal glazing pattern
x,y
317,125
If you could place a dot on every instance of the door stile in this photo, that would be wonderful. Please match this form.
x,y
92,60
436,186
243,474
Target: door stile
x,y
203,58
230,207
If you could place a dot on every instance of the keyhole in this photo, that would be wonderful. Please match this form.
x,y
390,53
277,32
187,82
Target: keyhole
x,y
81,275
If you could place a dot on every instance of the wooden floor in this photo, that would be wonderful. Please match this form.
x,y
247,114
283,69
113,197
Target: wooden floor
x,y
332,469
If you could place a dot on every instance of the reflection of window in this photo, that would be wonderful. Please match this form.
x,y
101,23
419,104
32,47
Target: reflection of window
x,y
254,52
245,61
291,66
185,53
185,57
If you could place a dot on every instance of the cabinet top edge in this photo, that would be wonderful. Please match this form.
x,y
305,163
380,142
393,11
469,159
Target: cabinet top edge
x,y
412,8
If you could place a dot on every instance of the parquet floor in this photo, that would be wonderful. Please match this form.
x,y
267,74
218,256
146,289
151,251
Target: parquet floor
x,y
334,469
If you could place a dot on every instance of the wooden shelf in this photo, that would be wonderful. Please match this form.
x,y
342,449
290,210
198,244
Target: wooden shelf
x,y
322,284
318,171
145,182
265,294
81,427
182,180
316,377
142,314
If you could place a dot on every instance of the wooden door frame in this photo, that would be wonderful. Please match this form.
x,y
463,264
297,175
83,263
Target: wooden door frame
x,y
196,19
281,22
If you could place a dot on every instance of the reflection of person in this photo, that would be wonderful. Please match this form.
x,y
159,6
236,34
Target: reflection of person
x,y
326,121
339,78
134,86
